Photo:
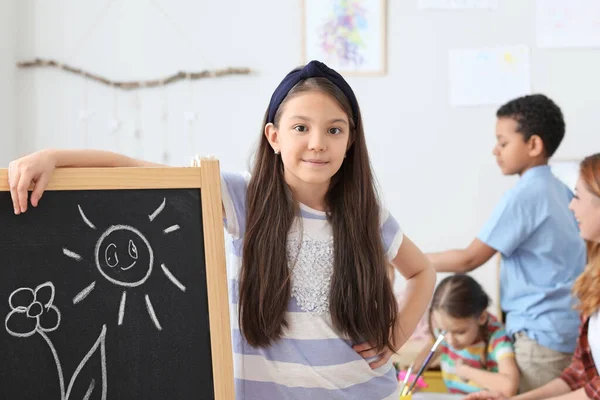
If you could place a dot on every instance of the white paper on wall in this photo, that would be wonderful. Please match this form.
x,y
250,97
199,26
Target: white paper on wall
x,y
572,23
488,76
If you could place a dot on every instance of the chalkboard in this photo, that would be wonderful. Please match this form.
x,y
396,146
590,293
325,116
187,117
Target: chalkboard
x,y
115,287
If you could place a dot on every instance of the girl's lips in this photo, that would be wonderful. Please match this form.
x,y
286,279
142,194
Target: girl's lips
x,y
315,162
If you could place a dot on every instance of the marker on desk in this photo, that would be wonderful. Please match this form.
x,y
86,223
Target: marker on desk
x,y
429,356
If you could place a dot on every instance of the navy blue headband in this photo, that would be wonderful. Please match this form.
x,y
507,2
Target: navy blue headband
x,y
314,69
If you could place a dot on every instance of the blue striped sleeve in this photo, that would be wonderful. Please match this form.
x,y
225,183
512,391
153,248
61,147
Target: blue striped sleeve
x,y
233,194
391,234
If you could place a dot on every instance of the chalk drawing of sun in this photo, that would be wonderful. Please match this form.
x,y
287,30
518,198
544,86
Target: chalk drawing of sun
x,y
124,257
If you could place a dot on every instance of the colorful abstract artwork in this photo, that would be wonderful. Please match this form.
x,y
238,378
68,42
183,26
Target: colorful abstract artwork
x,y
347,35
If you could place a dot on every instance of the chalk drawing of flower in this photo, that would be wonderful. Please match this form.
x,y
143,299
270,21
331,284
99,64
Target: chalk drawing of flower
x,y
32,311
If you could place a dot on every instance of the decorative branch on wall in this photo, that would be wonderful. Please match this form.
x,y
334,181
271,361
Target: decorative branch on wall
x,y
135,84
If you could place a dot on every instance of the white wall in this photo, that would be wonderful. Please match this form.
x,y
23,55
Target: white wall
x,y
8,42
433,162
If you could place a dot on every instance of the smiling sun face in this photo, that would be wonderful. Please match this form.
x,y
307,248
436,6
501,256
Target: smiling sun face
x,y
124,256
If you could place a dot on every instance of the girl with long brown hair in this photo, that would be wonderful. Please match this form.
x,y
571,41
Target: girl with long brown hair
x,y
316,314
580,380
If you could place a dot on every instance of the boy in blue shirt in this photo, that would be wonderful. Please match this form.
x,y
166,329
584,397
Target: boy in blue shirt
x,y
538,238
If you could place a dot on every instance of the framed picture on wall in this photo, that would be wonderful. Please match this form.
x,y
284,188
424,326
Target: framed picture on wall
x,y
347,35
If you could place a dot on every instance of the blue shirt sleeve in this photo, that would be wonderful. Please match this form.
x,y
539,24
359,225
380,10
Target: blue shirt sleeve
x,y
512,222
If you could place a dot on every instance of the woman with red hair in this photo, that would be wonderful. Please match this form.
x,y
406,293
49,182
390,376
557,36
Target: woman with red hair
x,y
580,380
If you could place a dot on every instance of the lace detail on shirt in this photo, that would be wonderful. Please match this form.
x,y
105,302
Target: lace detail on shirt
x,y
311,272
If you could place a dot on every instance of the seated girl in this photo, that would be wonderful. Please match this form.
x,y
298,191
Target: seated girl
x,y
476,352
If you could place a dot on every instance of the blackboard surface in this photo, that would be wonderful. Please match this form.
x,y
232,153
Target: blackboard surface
x,y
106,292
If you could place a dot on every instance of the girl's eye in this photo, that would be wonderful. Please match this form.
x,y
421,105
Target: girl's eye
x,y
334,131
300,128
502,144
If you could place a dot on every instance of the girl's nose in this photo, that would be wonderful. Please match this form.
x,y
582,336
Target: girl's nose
x,y
317,142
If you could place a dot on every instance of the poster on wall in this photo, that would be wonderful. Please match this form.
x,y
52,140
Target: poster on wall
x,y
458,4
347,35
573,23
488,76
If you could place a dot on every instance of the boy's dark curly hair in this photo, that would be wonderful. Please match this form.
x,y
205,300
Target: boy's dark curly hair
x,y
538,115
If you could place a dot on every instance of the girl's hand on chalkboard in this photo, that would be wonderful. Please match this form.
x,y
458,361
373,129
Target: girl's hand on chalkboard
x,y
34,169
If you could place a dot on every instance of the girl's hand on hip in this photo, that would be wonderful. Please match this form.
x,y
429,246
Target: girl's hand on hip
x,y
365,350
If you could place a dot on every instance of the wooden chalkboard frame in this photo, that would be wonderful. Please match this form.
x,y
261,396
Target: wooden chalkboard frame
x,y
207,179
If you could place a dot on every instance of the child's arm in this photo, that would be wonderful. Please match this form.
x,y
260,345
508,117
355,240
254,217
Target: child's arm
x,y
555,389
37,168
420,276
505,381
462,260
94,158
420,282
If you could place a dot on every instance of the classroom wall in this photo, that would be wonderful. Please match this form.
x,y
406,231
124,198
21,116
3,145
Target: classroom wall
x,y
433,162
8,43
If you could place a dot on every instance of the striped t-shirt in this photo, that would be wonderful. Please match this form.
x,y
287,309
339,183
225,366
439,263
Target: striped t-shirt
x,y
499,347
311,361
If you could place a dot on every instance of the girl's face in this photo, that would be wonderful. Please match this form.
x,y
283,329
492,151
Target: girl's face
x,y
586,207
460,332
312,139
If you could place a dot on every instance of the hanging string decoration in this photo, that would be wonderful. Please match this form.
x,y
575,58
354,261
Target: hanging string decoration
x,y
130,85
